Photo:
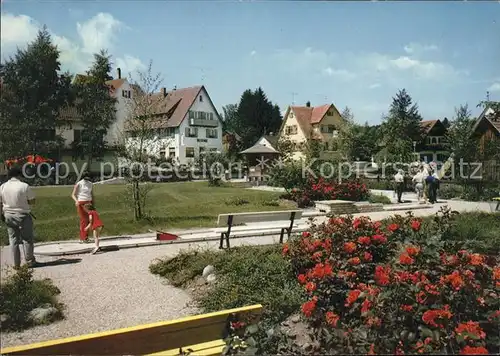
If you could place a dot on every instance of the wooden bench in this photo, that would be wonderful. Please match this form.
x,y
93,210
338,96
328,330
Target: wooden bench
x,y
198,335
283,220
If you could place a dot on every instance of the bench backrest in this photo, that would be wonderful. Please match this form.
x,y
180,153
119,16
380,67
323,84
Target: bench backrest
x,y
144,339
263,216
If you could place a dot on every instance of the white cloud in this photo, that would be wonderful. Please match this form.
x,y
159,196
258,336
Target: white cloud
x,y
17,30
375,86
341,74
253,53
130,64
416,48
99,32
494,87
374,67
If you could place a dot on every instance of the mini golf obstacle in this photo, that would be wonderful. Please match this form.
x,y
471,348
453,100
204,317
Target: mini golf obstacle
x,y
165,236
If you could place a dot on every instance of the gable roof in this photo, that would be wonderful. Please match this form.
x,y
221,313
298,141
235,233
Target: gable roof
x,y
486,116
258,148
307,116
428,125
273,140
171,109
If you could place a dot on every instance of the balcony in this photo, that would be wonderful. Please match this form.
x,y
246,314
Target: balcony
x,y
204,122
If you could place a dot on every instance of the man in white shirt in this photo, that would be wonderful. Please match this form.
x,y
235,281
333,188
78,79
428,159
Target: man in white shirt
x,y
16,198
399,180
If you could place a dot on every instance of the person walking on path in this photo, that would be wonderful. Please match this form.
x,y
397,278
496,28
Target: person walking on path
x,y
431,182
399,179
16,198
95,224
418,180
435,185
83,193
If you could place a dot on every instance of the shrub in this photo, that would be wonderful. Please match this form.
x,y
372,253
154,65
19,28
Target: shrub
x,y
245,275
237,201
381,288
322,189
379,199
20,294
288,176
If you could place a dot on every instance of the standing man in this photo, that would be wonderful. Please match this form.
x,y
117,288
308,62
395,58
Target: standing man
x,y
399,179
16,198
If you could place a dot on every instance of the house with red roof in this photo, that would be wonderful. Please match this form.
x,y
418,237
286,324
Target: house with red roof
x,y
185,121
301,124
185,124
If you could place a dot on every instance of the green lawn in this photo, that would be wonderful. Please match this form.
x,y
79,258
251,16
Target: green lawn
x,y
170,206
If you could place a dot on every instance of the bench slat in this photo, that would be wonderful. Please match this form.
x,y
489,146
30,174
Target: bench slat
x,y
211,348
278,225
265,216
142,339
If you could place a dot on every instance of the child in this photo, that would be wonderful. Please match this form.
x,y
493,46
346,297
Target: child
x,y
95,224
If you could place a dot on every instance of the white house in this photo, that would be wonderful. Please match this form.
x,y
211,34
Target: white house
x,y
121,90
187,125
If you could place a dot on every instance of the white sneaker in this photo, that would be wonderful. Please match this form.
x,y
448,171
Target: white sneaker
x,y
95,250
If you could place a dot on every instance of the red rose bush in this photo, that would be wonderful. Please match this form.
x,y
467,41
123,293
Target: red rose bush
x,y
324,189
394,288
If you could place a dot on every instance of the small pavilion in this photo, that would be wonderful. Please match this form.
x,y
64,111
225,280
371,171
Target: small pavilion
x,y
260,157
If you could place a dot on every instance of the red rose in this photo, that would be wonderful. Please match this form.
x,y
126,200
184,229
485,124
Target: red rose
x,y
367,256
393,227
415,225
354,261
405,259
364,240
332,318
349,247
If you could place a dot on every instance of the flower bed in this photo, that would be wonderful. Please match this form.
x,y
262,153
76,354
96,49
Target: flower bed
x,y
394,289
322,189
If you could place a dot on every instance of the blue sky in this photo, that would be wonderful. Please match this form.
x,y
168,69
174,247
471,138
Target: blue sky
x,y
355,54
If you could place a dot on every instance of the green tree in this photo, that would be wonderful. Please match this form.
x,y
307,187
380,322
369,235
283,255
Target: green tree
x,y
33,92
459,135
357,142
229,117
96,106
401,127
256,116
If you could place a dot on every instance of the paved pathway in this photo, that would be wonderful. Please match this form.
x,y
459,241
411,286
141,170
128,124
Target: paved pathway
x,y
115,289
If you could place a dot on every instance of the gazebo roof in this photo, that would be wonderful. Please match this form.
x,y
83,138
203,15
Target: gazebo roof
x,y
257,148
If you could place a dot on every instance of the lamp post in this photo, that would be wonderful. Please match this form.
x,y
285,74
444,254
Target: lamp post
x,y
415,149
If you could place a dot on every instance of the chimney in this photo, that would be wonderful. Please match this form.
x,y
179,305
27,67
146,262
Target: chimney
x,y
308,104
175,87
119,71
164,91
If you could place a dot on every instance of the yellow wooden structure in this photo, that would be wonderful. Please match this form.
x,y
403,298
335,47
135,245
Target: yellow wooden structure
x,y
200,335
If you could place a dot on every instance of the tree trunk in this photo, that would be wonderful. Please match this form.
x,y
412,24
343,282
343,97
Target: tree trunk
x,y
137,200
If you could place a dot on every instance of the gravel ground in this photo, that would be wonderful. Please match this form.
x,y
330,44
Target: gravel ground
x,y
115,289
104,292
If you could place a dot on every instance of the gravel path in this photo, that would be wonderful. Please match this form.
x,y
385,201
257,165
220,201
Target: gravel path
x,y
104,292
